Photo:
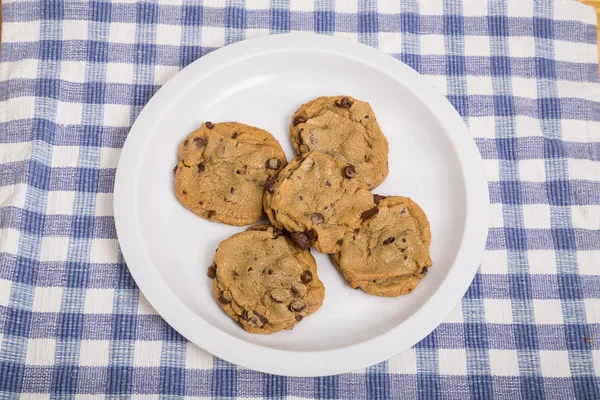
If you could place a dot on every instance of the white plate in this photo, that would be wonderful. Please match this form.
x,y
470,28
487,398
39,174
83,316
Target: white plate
x,y
261,82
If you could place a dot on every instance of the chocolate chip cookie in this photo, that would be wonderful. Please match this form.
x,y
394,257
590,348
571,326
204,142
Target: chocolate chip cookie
x,y
222,169
319,199
345,128
389,254
264,281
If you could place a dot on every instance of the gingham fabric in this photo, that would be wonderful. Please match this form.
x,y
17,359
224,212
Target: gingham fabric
x,y
74,76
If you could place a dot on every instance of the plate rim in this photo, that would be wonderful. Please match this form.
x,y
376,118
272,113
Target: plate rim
x,y
307,363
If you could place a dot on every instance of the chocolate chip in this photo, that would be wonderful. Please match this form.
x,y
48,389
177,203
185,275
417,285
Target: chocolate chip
x,y
255,320
312,234
260,228
269,183
403,211
300,140
175,169
212,273
244,315
406,257
299,318
209,125
377,198
349,171
366,117
235,135
185,142
201,168
298,120
223,299
184,192
301,240
277,233
211,213
389,240
402,250
232,191
273,163
424,271
260,317
369,213
403,240
317,218
306,277
327,183
270,271
297,306
279,295
299,157
300,198
340,242
344,102
356,230
199,142
299,289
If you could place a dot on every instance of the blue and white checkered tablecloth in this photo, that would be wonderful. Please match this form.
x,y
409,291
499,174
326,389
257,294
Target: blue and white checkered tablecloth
x,y
74,76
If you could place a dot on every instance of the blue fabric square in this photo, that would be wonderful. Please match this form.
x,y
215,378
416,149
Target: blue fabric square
x,y
515,239
95,92
476,336
378,383
147,13
569,286
410,23
275,387
83,226
526,337
192,15
327,387
142,94
519,286
100,11
510,192
428,386
586,387
532,387
545,68
44,130
324,21
64,379
504,106
543,28
554,148
52,9
412,60
564,239
460,103
455,65
481,386
77,274
174,381
428,342
367,22
145,53
280,20
32,222
26,270
125,280
39,175
11,376
453,25
50,50
97,51
70,326
475,290
189,54
235,17
92,136
500,65
497,25
119,379
171,335
86,179
548,108
18,322
507,148
49,88
124,327
558,192
575,335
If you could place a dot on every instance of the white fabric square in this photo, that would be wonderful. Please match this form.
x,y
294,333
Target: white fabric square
x,y
479,85
498,311
475,8
477,46
536,216
258,32
99,301
541,261
348,35
163,73
24,69
574,10
555,364
452,361
403,363
109,157
548,311
144,307
574,130
168,34
147,353
492,170
524,87
104,251
455,316
11,152
69,113
521,46
504,362
483,127
266,4
47,299
117,115
519,9
5,288
73,71
60,203
38,396
439,81
588,262
40,351
9,240
592,310
390,42
96,396
527,126
74,29
345,6
65,156
54,248
215,3
532,170
196,358
570,52
433,44
94,353
596,361
213,36
22,31
496,216
119,73
583,169
157,397
391,7
13,195
104,205
494,262
122,33
17,108
429,7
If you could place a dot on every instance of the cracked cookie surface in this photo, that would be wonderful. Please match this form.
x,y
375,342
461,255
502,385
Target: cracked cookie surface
x,y
318,199
222,169
389,254
345,128
264,281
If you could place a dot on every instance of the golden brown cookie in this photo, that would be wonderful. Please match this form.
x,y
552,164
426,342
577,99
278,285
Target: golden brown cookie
x,y
318,199
222,169
264,281
389,254
345,128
